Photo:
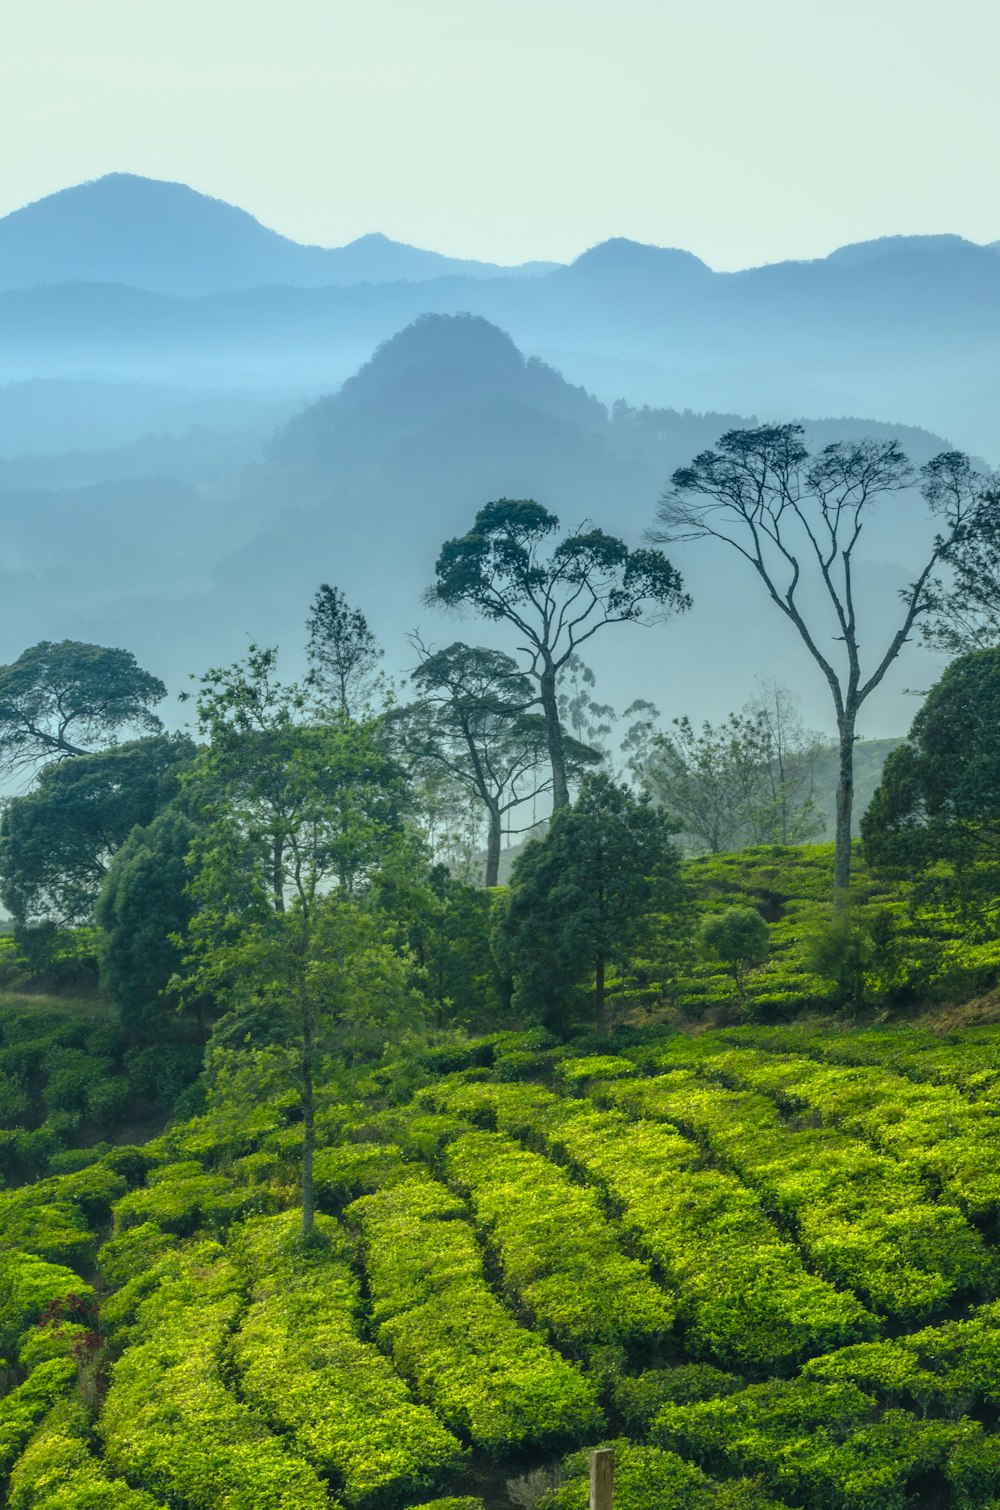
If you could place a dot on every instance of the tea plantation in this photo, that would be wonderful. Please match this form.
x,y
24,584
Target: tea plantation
x,y
761,1261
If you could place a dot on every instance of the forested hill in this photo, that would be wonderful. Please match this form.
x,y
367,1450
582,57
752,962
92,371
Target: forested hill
x,y
182,547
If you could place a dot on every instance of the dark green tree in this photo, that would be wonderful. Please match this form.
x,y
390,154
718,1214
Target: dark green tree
x,y
471,723
938,802
964,611
587,897
555,602
57,841
343,653
144,905
69,698
299,817
739,939
796,520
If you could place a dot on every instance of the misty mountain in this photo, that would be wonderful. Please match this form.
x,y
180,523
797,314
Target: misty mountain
x,y
362,487
169,239
904,328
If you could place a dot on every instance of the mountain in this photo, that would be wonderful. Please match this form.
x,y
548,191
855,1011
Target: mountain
x,y
361,488
169,239
903,328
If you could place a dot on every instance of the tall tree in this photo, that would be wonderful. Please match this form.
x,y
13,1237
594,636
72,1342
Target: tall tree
x,y
300,814
556,602
964,612
796,519
584,897
471,722
938,803
343,653
57,841
68,698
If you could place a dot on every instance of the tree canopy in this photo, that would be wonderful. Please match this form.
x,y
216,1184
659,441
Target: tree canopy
x,y
57,841
68,698
556,602
939,797
585,897
796,520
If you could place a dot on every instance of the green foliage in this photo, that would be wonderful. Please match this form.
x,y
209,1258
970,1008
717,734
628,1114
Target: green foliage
x,y
647,1476
59,1471
30,1287
23,1408
738,938
744,1296
485,1376
864,1220
171,1425
58,840
66,698
143,905
581,898
938,799
558,1252
304,1367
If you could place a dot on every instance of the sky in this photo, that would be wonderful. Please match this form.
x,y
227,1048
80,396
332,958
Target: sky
x,y
515,129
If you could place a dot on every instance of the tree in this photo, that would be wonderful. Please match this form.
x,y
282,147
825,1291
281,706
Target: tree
x,y
745,781
790,515
300,816
144,907
583,898
68,698
58,840
343,653
793,517
471,723
964,615
938,802
589,580
739,938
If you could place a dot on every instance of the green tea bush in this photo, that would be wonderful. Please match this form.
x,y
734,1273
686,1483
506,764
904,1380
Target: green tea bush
x,y
745,1297
24,1407
171,1425
31,1286
823,1445
58,1470
864,1220
647,1477
558,1252
487,1377
303,1366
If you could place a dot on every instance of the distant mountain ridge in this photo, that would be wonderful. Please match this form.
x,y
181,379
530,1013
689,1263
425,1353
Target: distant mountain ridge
x,y
169,239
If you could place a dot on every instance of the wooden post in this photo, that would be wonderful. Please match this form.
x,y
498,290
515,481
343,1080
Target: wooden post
x,y
602,1478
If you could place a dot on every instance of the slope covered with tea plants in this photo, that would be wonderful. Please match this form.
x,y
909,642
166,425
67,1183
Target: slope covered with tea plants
x,y
761,1261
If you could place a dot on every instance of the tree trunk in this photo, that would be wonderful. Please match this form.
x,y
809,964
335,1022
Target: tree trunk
x,y
554,739
308,1135
493,850
600,1016
845,805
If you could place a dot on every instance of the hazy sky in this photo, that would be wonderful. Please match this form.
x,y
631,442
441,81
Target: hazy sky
x,y
745,130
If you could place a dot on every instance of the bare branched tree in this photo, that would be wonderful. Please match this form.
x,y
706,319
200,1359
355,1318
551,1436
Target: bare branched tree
x,y
796,519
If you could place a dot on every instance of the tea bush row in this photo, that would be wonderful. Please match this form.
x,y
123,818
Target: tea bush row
x,y
171,1425
59,1471
488,1378
558,1252
303,1366
863,1219
745,1296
